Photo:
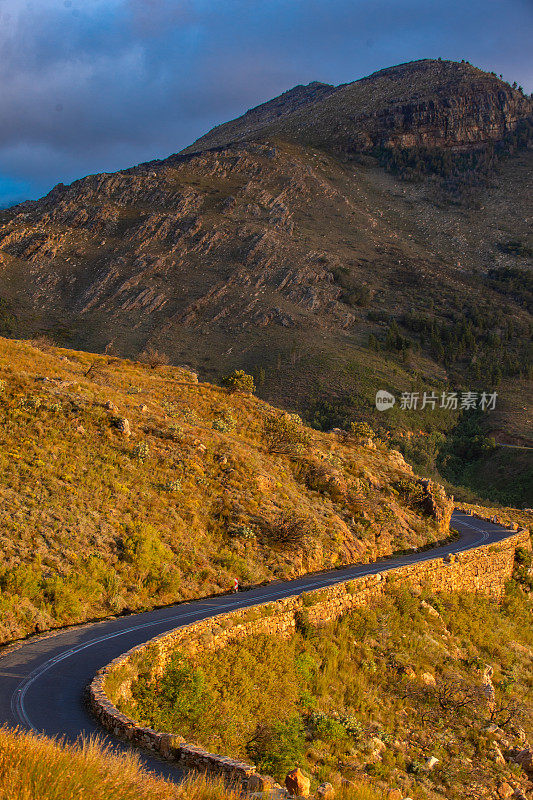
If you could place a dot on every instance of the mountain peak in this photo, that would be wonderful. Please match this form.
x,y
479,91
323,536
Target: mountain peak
x,y
431,103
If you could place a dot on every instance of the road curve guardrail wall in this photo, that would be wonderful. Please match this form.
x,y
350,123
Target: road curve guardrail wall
x,y
483,569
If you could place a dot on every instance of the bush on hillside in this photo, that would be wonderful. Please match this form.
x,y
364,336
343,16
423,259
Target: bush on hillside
x,y
239,381
284,433
153,358
277,747
361,430
289,530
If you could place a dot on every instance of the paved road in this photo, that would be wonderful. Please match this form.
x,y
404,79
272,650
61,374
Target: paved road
x,y
42,682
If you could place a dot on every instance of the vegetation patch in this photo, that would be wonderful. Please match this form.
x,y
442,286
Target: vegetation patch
x,y
375,694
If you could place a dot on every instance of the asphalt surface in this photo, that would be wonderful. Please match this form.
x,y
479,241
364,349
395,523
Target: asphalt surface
x,y
42,682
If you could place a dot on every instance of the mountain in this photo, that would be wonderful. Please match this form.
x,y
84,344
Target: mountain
x,y
333,241
422,103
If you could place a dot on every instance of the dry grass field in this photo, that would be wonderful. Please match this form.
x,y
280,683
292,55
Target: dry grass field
x,y
208,485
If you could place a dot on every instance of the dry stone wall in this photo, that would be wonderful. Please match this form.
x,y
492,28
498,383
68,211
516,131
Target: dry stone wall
x,y
483,570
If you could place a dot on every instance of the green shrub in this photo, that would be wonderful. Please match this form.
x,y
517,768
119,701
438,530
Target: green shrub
x,y
223,423
239,381
144,550
30,402
171,486
284,433
183,685
140,451
278,747
361,430
326,727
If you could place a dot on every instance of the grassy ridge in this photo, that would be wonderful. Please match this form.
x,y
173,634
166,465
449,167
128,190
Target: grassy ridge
x,y
208,486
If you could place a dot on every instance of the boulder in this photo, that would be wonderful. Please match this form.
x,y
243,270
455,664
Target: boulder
x,y
297,784
431,762
497,755
378,745
429,608
505,790
519,732
170,745
378,748
260,783
123,426
325,791
110,406
427,679
492,728
488,689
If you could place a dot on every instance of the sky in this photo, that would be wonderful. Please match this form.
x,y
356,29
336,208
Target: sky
x,y
99,85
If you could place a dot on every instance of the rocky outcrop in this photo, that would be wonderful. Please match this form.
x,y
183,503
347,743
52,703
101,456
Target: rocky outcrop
x,y
524,759
487,687
436,503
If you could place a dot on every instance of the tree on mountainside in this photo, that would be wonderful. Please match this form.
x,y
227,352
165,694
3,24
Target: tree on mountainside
x,y
239,381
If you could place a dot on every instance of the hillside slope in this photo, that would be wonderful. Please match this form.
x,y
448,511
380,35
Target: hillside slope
x,y
358,697
196,487
327,277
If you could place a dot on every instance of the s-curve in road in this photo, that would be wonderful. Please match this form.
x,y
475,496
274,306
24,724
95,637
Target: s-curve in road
x,y
42,681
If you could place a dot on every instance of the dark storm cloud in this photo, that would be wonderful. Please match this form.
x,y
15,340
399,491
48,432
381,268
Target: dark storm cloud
x,y
92,86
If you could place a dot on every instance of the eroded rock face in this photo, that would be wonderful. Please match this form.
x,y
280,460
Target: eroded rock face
x,y
524,758
437,503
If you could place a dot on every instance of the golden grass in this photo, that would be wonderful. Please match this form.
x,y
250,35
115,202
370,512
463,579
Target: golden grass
x,y
37,768
93,522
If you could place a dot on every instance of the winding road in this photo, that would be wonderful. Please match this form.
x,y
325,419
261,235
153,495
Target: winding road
x,y
42,682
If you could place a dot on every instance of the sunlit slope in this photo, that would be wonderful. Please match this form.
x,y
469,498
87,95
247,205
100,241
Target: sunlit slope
x,y
125,485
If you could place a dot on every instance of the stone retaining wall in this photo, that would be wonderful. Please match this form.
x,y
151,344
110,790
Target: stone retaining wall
x,y
483,570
